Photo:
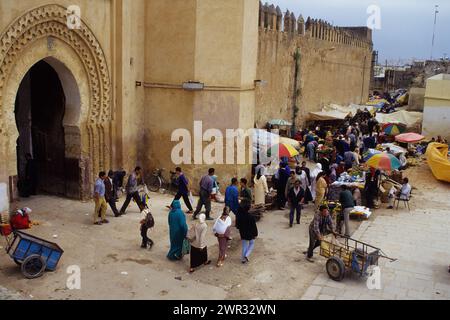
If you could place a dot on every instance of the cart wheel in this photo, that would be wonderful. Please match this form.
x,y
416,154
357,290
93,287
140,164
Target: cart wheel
x,y
33,266
18,262
335,268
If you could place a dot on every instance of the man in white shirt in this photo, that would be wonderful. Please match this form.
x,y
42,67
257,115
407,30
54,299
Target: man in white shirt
x,y
405,191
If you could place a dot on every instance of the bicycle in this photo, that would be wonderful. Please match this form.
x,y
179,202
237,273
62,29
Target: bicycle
x,y
158,182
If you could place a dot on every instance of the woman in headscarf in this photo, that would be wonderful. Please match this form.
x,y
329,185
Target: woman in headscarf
x,y
303,177
321,189
314,174
222,230
197,237
178,231
261,188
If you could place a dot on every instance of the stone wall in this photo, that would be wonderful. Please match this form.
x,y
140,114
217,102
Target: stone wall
x,y
436,114
335,65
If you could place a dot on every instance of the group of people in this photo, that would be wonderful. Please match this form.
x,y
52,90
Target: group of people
x,y
295,187
182,238
237,202
105,194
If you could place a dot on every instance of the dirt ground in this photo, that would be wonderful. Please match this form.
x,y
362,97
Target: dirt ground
x,y
113,266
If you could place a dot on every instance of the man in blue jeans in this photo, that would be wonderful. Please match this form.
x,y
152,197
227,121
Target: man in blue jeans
x,y
296,198
248,231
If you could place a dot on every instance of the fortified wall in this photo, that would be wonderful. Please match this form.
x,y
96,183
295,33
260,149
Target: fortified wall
x,y
334,65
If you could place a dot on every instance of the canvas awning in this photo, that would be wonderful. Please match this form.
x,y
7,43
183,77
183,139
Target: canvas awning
x,y
328,115
407,118
337,112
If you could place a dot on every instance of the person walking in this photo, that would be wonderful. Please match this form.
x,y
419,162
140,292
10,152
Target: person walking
x,y
246,194
110,195
147,223
321,225
348,204
232,196
307,172
321,189
291,182
304,182
314,174
99,199
296,198
206,188
261,189
283,175
183,189
178,230
222,230
199,249
132,191
248,232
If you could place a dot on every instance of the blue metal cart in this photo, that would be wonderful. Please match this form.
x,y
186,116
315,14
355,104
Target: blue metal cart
x,y
34,255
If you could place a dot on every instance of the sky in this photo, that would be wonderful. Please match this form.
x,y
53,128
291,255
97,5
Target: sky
x,y
406,26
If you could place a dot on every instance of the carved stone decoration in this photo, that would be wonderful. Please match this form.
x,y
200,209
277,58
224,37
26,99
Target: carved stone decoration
x,y
49,21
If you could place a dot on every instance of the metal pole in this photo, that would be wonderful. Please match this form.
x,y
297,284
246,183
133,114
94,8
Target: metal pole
x,y
434,29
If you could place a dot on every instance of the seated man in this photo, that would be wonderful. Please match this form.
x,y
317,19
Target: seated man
x,y
405,191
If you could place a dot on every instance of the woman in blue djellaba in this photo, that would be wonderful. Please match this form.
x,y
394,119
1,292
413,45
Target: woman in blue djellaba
x,y
178,231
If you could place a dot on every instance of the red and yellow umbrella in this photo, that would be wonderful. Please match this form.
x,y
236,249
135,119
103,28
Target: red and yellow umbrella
x,y
283,150
384,161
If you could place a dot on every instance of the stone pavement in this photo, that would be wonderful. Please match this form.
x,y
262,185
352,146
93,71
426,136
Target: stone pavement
x,y
6,294
419,240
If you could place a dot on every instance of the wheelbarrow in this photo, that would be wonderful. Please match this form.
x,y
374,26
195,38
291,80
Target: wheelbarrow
x,y
34,255
350,254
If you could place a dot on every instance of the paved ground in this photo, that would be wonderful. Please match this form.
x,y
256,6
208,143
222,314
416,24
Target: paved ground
x,y
6,294
420,241
114,267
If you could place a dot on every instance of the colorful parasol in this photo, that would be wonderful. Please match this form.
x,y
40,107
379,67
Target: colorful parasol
x,y
384,161
283,150
409,137
370,153
393,129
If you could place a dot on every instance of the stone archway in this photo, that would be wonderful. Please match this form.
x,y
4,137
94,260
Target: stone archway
x,y
42,34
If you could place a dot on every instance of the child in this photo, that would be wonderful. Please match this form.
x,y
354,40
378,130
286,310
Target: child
x,y
147,223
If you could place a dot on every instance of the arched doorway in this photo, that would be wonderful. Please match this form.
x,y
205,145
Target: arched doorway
x,y
39,111
41,35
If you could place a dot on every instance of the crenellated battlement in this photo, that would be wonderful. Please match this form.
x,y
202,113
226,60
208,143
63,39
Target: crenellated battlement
x,y
272,19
